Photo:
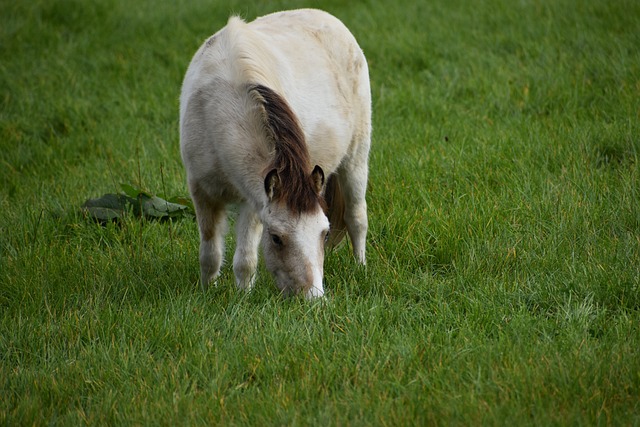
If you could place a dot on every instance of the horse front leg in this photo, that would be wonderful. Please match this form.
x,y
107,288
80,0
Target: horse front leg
x,y
212,224
245,259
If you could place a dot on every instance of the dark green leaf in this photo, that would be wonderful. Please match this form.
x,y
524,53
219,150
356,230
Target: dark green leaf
x,y
112,207
133,191
108,207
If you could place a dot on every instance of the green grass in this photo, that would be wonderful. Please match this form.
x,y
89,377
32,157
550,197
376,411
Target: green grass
x,y
502,284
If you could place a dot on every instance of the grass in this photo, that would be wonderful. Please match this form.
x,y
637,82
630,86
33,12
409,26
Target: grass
x,y
502,284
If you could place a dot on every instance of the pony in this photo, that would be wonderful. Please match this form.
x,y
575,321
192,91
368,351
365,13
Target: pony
x,y
275,118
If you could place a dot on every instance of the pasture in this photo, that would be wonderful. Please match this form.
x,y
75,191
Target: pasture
x,y
503,263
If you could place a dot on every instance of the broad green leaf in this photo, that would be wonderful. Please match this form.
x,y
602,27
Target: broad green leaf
x,y
133,191
159,208
184,201
108,207
112,207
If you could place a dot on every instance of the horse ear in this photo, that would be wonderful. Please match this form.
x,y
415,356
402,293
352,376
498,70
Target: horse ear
x,y
317,177
272,183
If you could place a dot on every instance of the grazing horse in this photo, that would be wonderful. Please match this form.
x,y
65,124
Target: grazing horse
x,y
275,116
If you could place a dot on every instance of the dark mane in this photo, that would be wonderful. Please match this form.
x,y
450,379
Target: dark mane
x,y
291,160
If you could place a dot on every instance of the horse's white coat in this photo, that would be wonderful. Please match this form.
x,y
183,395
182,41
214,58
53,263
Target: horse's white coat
x,y
311,60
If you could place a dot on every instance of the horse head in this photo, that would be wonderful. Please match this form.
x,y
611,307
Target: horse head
x,y
295,231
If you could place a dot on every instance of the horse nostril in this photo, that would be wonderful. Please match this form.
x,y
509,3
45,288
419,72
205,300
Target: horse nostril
x,y
308,276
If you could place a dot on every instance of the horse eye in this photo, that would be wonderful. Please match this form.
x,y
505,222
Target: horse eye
x,y
326,236
276,239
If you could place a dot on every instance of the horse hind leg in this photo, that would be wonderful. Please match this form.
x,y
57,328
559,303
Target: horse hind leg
x,y
212,223
353,180
355,215
245,259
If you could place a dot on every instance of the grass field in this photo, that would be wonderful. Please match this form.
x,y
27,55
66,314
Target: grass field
x,y
502,285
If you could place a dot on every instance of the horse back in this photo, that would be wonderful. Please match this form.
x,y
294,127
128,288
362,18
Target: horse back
x,y
307,56
325,79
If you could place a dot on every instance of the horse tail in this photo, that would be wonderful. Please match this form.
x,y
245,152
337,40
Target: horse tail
x,y
335,202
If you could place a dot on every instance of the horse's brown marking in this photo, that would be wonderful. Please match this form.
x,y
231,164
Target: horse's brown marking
x,y
296,186
211,40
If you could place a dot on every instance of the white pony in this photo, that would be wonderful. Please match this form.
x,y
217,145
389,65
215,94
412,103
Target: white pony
x,y
275,115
